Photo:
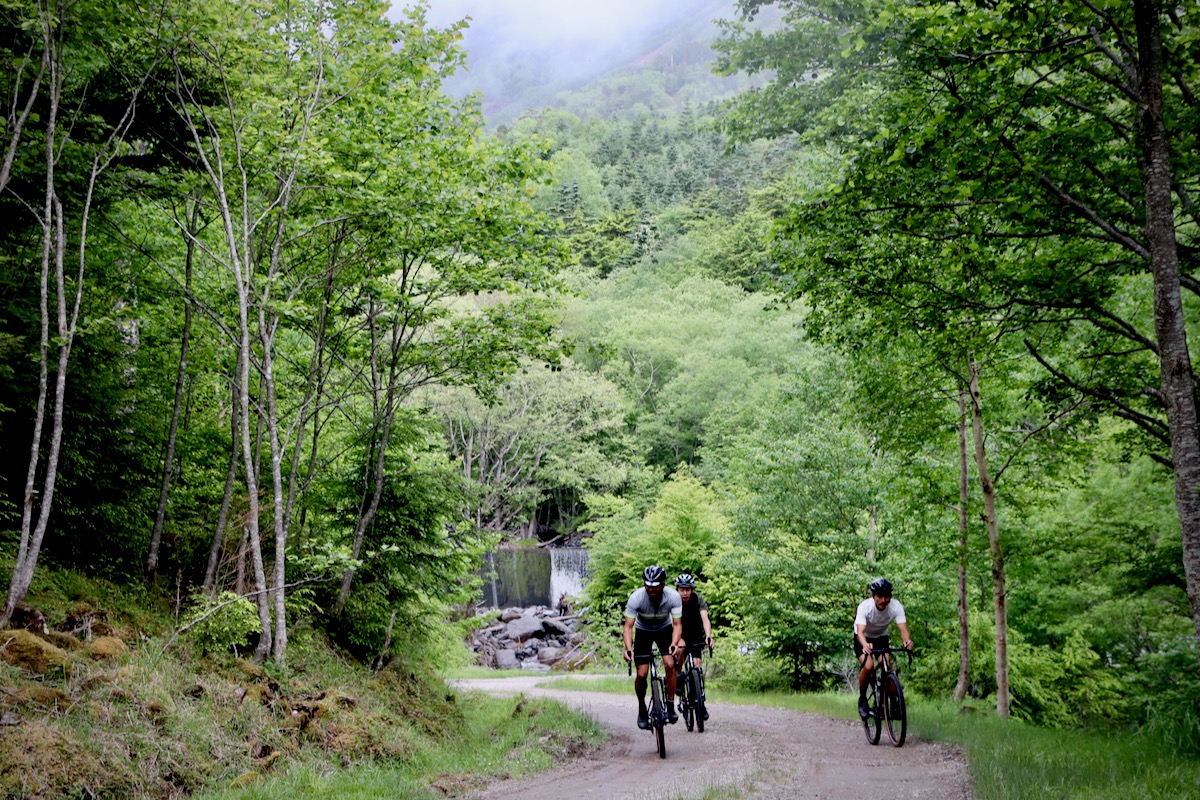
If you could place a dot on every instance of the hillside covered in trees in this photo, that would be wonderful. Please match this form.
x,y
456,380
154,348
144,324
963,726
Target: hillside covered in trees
x,y
285,317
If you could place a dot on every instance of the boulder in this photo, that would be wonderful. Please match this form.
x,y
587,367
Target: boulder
x,y
506,659
523,628
555,627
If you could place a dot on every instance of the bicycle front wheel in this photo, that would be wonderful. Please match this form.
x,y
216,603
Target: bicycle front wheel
x,y
872,724
894,709
658,717
696,681
687,700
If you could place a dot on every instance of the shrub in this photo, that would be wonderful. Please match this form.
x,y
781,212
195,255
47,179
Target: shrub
x,y
222,624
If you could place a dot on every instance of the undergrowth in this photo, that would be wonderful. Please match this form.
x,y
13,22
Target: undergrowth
x,y
149,716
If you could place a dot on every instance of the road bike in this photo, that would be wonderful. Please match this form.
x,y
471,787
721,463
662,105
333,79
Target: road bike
x,y
885,698
658,703
690,685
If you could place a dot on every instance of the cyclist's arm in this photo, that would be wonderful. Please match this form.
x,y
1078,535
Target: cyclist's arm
x,y
627,631
903,626
677,632
861,633
707,626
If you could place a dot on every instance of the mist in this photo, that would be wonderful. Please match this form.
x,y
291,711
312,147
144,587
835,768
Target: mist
x,y
513,45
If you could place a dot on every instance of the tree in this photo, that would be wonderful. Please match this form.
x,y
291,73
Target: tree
x,y
1047,128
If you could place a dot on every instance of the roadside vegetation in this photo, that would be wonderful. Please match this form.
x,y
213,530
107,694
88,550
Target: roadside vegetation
x,y
133,711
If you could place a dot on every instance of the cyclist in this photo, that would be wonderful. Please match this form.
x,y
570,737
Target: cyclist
x,y
653,612
697,630
871,622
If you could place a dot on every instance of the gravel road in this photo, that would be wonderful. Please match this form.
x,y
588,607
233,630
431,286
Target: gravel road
x,y
748,752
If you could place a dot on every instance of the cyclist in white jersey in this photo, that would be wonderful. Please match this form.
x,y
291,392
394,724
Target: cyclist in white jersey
x,y
653,615
871,622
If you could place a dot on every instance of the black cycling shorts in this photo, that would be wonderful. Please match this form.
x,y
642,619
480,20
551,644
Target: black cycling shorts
x,y
876,641
642,640
696,648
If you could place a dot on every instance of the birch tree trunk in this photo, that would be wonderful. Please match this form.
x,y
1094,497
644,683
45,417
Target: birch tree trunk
x,y
964,493
999,591
164,493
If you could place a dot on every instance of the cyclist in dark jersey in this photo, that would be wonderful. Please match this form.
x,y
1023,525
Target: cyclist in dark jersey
x,y
697,630
652,616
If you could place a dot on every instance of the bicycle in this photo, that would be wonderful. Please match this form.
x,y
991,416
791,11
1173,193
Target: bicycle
x,y
690,685
885,698
658,703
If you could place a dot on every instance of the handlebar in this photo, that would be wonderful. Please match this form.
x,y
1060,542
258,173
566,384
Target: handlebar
x,y
880,651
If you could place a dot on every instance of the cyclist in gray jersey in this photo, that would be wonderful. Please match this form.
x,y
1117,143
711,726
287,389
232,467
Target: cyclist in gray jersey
x,y
653,615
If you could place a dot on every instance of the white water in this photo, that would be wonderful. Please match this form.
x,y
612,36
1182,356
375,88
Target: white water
x,y
568,572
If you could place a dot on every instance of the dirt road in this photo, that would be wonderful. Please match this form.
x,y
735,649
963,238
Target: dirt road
x,y
746,752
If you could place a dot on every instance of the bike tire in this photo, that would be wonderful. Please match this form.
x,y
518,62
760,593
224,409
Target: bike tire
x,y
696,679
872,723
687,700
894,709
658,717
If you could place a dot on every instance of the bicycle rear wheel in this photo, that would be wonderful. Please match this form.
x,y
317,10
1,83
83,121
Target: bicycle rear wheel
x,y
696,681
894,709
658,716
687,699
872,724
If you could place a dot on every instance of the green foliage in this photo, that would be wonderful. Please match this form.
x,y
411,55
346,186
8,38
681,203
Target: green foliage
x,y
222,624
681,532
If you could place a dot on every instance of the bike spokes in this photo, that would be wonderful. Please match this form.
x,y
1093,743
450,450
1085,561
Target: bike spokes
x,y
872,724
894,709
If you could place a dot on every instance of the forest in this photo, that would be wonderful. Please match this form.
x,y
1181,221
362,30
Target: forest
x,y
291,330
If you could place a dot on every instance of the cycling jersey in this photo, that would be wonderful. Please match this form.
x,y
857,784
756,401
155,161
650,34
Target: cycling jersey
x,y
650,616
693,626
877,621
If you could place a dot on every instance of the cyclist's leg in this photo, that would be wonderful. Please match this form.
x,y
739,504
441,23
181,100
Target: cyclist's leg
x,y
864,674
642,654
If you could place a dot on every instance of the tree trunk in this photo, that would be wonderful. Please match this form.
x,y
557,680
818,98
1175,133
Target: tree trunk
x,y
164,493
999,592
1178,382
214,549
964,494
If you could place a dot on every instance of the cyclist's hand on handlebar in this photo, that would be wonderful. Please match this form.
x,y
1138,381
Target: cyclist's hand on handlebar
x,y
708,641
628,655
908,645
867,648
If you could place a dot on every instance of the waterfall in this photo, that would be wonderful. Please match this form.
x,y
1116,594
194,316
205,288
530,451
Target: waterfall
x,y
568,572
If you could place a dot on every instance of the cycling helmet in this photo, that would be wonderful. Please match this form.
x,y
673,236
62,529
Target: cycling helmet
x,y
685,579
654,575
881,587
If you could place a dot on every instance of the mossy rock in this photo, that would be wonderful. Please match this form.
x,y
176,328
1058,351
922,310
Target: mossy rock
x,y
63,640
243,780
30,652
37,696
107,648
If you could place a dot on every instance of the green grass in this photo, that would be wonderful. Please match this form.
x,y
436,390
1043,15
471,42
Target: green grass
x,y
1008,759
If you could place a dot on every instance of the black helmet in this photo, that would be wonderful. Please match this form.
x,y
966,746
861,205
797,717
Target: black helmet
x,y
686,579
654,575
881,587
